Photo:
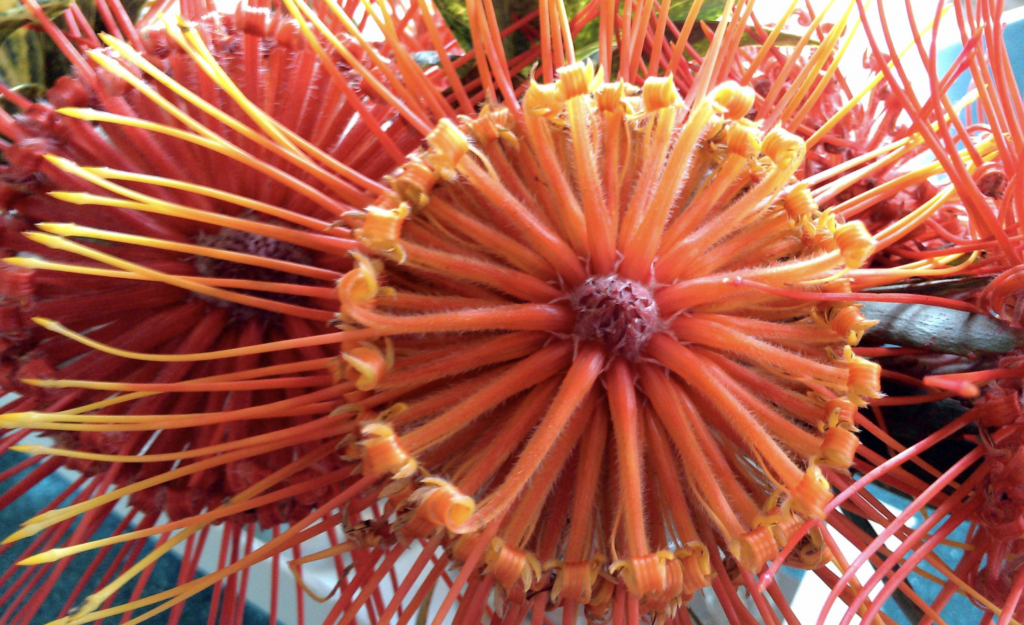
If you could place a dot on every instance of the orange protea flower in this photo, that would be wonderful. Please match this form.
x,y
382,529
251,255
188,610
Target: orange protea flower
x,y
617,316
190,188
976,356
576,282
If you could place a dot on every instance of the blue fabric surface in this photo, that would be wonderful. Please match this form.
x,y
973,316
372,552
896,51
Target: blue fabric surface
x,y
164,576
960,609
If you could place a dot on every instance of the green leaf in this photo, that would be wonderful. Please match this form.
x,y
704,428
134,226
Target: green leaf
x,y
15,17
506,12
784,39
940,330
424,612
587,42
701,44
28,57
710,10
457,18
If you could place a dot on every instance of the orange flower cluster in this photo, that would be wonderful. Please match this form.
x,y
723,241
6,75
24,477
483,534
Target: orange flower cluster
x,y
589,331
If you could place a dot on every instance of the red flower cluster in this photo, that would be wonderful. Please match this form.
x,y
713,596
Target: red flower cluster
x,y
591,331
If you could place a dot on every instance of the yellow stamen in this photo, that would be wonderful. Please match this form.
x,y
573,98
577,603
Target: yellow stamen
x,y
66,245
73,230
289,344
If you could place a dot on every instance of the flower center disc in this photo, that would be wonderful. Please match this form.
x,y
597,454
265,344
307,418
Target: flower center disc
x,y
619,313
230,240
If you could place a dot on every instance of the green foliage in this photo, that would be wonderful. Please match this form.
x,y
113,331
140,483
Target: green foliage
x,y
586,41
710,10
457,18
29,61
13,15
23,52
701,44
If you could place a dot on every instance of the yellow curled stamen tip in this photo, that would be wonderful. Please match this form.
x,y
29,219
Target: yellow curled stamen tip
x,y
659,92
449,140
784,148
543,100
742,139
734,100
608,96
380,430
576,79
855,243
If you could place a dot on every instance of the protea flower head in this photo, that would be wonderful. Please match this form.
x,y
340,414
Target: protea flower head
x,y
189,189
970,386
587,331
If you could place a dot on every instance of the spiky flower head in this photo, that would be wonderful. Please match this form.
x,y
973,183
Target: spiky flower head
x,y
596,336
608,290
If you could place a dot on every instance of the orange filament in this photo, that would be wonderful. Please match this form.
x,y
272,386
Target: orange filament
x,y
464,546
383,454
864,378
414,183
367,364
810,496
511,566
839,449
645,576
382,228
855,244
753,549
849,323
695,562
574,581
840,413
443,504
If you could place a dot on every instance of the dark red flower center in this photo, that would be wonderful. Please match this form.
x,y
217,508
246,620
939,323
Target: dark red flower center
x,y
621,314
231,240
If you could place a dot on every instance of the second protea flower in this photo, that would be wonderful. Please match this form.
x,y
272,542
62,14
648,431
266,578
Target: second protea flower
x,y
612,342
